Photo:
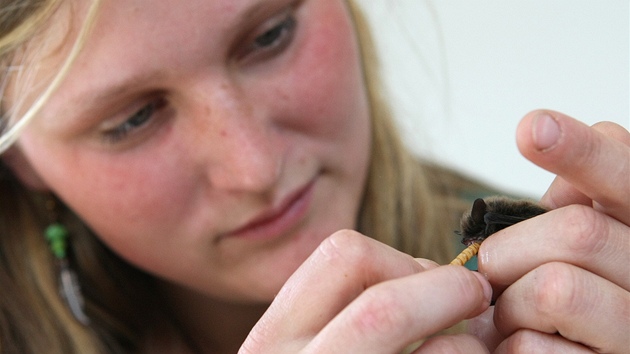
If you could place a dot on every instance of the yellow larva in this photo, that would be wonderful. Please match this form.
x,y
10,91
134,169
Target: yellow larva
x,y
466,254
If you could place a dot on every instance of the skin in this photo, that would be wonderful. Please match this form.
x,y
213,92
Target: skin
x,y
567,290
236,136
240,132
573,278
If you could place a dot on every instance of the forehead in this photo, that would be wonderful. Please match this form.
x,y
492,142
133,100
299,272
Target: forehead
x,y
122,30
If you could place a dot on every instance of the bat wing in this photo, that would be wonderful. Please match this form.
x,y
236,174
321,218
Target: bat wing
x,y
501,219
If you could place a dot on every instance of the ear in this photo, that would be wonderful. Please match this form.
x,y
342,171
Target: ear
x,y
22,169
479,211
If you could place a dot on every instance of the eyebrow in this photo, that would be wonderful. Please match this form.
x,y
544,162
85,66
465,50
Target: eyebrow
x,y
94,99
109,91
121,88
251,13
262,8
87,103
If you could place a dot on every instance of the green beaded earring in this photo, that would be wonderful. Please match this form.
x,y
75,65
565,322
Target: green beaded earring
x,y
57,236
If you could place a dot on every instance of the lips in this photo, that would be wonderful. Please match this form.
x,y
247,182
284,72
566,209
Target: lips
x,y
278,220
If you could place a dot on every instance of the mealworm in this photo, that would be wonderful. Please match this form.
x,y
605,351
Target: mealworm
x,y
465,255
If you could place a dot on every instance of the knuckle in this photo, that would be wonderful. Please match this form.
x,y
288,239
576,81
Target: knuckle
x,y
345,247
555,290
379,311
586,230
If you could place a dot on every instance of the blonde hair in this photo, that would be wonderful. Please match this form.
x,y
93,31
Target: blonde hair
x,y
17,34
407,204
33,317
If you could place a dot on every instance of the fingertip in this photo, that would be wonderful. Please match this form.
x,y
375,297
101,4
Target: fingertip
x,y
487,288
554,141
485,300
546,132
539,131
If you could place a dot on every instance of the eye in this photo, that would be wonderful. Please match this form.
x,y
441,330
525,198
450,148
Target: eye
x,y
273,37
137,121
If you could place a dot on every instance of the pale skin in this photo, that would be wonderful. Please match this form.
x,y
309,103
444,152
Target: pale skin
x,y
567,291
241,134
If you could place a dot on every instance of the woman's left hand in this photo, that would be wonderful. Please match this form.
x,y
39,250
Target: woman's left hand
x,y
562,280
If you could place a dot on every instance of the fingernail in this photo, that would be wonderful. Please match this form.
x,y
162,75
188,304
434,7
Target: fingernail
x,y
546,132
487,289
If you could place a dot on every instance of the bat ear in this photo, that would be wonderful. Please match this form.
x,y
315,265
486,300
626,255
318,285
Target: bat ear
x,y
478,211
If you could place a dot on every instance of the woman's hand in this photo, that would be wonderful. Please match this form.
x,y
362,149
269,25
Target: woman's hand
x,y
355,295
563,278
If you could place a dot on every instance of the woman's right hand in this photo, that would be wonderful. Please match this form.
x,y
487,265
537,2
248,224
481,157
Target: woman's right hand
x,y
356,295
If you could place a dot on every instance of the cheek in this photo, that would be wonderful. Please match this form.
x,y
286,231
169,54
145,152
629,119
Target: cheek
x,y
135,193
132,203
326,87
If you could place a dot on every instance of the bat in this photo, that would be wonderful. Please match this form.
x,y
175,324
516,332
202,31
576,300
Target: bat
x,y
489,216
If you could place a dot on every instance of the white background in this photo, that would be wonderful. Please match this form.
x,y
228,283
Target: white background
x,y
462,73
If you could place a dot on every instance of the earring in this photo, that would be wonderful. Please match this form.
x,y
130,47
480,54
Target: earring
x,y
57,236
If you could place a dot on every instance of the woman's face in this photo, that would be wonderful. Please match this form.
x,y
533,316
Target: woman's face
x,y
212,143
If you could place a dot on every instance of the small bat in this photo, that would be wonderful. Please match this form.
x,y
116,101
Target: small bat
x,y
489,216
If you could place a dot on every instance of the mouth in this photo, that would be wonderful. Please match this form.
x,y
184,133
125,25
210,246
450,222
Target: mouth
x,y
279,219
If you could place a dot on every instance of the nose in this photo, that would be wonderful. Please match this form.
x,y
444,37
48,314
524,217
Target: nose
x,y
236,139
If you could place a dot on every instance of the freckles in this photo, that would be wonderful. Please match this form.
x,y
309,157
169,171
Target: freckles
x,y
283,96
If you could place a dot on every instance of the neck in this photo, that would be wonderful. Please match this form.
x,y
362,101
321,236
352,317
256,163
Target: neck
x,y
208,325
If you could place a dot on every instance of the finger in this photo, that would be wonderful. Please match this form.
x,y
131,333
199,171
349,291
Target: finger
x,y
593,163
562,193
560,298
341,268
452,344
575,234
528,341
482,327
394,314
613,130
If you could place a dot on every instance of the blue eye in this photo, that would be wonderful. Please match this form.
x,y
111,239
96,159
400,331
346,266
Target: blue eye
x,y
138,120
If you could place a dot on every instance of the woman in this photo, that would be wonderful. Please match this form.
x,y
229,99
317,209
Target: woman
x,y
199,154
